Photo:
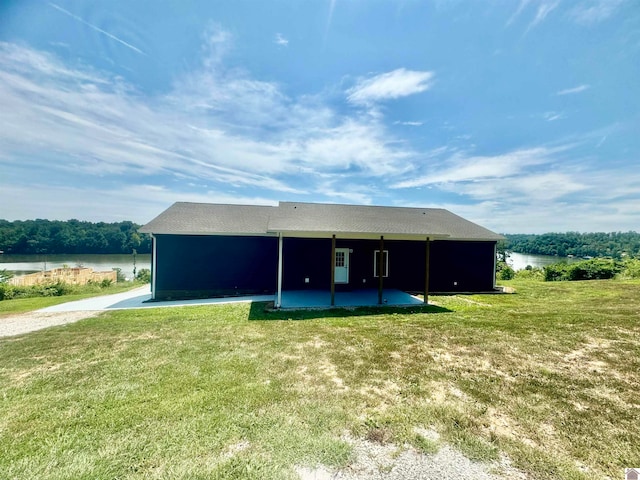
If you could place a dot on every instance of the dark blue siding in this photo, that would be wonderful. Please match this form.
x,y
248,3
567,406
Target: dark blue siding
x,y
454,265
306,258
470,265
192,266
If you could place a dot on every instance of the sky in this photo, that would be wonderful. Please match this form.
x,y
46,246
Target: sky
x,y
520,115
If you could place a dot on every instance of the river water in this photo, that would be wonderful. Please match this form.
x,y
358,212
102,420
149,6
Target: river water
x,y
519,261
24,264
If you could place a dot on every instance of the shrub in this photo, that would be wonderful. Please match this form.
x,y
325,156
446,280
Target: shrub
x,y
144,275
530,273
5,275
594,269
556,272
119,275
630,268
504,271
7,291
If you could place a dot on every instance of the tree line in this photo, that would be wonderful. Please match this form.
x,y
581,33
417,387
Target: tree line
x,y
615,244
71,236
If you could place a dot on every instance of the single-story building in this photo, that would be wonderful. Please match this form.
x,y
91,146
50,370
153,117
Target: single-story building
x,y
205,250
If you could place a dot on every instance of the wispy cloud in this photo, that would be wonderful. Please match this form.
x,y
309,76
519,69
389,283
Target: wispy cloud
x,y
553,116
332,6
589,13
462,168
544,9
386,86
409,123
97,29
217,126
136,202
280,40
571,91
523,4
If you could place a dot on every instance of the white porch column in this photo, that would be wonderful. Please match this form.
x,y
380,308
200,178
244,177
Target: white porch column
x,y
280,260
154,266
495,265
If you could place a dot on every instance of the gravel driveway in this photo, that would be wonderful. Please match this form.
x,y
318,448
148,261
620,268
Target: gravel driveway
x,y
374,461
69,312
32,321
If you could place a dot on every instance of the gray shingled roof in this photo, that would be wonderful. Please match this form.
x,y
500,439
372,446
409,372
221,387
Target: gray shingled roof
x,y
316,220
208,218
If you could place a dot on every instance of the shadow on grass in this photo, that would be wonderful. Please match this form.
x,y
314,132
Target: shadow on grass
x,y
264,311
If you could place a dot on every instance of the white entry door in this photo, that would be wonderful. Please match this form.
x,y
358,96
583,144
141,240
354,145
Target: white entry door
x,y
341,265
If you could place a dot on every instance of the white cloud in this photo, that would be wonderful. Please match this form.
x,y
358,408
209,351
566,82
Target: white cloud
x,y
386,86
280,40
215,126
534,190
544,9
573,90
589,13
409,123
521,7
138,203
460,168
552,116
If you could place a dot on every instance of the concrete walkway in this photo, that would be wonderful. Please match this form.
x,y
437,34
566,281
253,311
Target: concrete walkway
x,y
137,297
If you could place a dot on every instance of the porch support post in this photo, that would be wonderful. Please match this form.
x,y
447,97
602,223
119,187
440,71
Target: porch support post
x,y
280,260
380,270
495,265
427,254
154,266
333,270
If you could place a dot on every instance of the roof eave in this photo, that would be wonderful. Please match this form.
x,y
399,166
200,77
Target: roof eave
x,y
361,235
211,234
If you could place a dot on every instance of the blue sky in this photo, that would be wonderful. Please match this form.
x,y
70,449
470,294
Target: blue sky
x,y
523,116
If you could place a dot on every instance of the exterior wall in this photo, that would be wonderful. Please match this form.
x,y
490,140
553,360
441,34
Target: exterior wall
x,y
462,266
306,258
454,266
197,266
192,266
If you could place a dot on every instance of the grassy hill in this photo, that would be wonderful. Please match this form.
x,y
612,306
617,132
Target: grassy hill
x,y
548,377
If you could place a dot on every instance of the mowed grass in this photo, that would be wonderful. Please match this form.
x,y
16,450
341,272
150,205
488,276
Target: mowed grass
x,y
548,376
21,305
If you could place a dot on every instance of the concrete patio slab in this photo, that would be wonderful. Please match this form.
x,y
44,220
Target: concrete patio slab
x,y
357,298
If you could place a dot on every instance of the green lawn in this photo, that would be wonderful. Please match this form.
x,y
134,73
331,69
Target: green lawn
x,y
20,305
548,376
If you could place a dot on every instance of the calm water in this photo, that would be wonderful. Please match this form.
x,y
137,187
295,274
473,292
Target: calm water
x,y
23,264
519,261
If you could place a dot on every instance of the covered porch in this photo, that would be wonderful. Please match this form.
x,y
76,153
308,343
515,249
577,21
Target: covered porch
x,y
327,270
296,299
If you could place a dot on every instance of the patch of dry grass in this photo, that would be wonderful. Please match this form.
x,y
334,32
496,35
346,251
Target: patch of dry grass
x,y
546,378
